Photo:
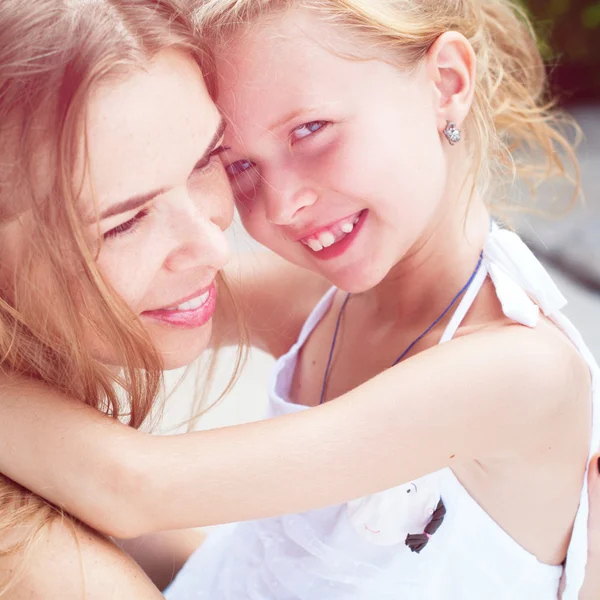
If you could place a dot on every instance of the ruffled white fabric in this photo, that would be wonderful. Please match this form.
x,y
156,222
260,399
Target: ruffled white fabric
x,y
521,282
356,551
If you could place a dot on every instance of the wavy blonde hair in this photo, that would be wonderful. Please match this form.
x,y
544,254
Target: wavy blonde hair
x,y
52,55
513,130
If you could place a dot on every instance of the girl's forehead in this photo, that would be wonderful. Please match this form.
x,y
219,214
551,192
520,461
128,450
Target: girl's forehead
x,y
284,48
284,67
265,79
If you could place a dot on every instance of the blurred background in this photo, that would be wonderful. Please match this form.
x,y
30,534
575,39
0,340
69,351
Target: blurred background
x,y
569,246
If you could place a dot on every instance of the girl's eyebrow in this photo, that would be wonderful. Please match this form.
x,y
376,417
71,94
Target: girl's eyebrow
x,y
290,116
139,200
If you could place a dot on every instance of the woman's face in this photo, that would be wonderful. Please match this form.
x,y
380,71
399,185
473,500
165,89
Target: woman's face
x,y
156,200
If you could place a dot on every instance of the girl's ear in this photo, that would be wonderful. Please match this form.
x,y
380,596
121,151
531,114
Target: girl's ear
x,y
451,66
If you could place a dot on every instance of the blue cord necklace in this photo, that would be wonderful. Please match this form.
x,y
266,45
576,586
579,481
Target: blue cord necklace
x,y
412,344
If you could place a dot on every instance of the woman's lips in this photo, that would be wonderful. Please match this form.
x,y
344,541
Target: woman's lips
x,y
192,313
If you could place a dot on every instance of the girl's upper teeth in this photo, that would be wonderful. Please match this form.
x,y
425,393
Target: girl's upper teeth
x,y
314,245
330,236
327,239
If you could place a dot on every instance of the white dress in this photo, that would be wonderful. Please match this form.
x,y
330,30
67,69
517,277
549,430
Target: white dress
x,y
357,551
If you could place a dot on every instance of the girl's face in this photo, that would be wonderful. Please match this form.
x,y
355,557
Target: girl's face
x,y
336,164
156,181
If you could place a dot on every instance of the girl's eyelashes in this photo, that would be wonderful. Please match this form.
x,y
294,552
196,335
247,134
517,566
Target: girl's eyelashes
x,y
305,130
238,167
308,129
127,227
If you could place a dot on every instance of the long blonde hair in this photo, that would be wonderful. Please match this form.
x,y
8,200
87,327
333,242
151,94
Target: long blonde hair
x,y
513,130
52,54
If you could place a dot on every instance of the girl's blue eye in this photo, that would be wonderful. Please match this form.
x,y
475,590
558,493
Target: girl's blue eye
x,y
127,227
307,129
238,167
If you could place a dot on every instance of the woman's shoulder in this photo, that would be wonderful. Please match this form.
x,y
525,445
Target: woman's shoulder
x,y
46,554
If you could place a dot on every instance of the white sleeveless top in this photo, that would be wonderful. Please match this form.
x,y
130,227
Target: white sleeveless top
x,y
357,551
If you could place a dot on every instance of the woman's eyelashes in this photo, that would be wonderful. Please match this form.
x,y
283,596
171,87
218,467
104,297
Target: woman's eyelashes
x,y
127,227
211,159
131,225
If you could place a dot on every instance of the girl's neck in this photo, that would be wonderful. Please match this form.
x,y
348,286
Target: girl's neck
x,y
421,285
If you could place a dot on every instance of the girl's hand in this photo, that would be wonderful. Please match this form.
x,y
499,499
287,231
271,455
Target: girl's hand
x,y
591,585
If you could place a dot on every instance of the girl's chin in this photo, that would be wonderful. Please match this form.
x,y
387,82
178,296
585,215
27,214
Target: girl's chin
x,y
355,281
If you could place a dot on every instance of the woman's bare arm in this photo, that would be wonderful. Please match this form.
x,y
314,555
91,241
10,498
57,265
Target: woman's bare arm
x,y
427,412
273,297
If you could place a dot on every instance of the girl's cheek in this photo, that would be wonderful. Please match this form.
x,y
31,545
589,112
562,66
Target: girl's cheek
x,y
246,189
252,221
335,166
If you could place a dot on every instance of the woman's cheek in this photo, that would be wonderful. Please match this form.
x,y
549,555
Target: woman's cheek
x,y
214,196
130,272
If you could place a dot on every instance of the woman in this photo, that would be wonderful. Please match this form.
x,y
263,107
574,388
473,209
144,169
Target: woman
x,y
102,107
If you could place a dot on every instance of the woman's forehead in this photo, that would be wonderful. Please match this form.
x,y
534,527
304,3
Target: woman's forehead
x,y
147,131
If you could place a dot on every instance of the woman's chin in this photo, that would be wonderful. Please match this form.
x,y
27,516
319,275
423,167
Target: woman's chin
x,y
180,347
176,347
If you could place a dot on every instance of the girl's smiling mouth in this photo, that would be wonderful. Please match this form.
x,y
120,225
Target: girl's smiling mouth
x,y
334,239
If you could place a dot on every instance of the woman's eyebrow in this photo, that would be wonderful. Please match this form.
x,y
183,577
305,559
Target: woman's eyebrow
x,y
216,138
139,200
130,204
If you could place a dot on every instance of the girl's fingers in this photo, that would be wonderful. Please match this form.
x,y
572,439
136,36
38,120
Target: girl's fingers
x,y
594,496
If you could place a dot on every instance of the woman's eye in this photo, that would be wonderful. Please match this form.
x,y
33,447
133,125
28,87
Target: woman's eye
x,y
238,167
210,159
307,129
127,227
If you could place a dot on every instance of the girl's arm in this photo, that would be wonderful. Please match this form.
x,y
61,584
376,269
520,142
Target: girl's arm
x,y
591,585
474,397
